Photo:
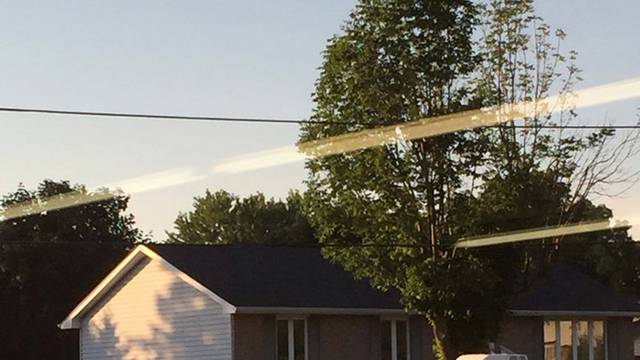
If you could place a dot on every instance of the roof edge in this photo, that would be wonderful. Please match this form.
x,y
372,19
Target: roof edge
x,y
72,321
598,313
321,311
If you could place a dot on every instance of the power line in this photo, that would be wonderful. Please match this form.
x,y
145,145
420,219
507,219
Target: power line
x,y
127,244
153,116
37,243
273,120
124,244
570,126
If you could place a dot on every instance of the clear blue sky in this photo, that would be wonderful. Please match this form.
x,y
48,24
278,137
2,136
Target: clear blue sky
x,y
224,58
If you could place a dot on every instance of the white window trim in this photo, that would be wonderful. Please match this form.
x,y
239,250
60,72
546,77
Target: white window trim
x,y
606,339
574,339
558,345
394,336
574,335
590,339
290,340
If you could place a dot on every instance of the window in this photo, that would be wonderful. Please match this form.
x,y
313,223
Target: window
x,y
565,340
291,337
395,339
598,340
550,340
574,340
581,339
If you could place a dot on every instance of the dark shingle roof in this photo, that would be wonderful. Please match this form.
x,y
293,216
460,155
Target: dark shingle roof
x,y
261,276
565,289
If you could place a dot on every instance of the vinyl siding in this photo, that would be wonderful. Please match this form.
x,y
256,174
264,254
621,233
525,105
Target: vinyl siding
x,y
153,314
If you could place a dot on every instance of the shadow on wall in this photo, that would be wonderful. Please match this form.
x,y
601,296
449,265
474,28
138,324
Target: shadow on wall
x,y
180,323
102,335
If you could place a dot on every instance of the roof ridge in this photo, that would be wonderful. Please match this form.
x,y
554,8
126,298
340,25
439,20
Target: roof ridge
x,y
256,245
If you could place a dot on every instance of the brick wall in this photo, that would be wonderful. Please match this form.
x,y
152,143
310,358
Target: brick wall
x,y
330,337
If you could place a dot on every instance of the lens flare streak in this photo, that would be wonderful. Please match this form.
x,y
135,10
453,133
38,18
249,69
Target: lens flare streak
x,y
542,233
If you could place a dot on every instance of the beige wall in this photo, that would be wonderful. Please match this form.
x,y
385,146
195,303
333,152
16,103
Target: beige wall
x,y
153,314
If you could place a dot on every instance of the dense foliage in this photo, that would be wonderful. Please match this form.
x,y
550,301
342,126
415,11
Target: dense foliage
x,y
224,218
50,261
397,61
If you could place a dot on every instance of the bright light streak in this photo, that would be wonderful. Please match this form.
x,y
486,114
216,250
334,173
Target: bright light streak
x,y
260,160
430,127
607,93
541,233
52,203
472,119
135,185
347,143
155,181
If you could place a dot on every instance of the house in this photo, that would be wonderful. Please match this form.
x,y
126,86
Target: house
x,y
567,315
289,303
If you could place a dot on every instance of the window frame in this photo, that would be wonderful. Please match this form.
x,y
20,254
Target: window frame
x,y
574,334
290,335
394,335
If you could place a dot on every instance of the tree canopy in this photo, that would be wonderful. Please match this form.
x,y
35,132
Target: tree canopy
x,y
397,61
49,261
224,218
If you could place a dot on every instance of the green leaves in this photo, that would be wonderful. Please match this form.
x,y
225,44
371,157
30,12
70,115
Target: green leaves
x,y
396,61
50,261
224,218
400,60
102,220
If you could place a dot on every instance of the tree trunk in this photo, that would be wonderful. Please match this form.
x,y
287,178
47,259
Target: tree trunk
x,y
443,345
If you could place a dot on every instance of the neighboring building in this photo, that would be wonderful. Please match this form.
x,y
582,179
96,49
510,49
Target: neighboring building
x,y
567,315
288,303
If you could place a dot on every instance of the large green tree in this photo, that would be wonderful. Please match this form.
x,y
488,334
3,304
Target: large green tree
x,y
224,218
50,260
397,61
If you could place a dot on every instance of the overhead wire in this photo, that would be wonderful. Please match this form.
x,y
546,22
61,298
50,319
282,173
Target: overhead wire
x,y
268,120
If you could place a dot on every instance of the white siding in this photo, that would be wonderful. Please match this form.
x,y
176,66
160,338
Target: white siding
x,y
153,314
